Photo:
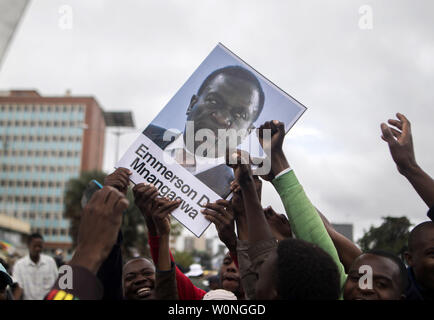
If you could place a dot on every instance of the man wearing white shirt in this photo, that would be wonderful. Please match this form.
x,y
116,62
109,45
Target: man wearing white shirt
x,y
35,273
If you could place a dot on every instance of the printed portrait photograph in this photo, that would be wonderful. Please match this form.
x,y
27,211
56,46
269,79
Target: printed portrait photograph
x,y
223,95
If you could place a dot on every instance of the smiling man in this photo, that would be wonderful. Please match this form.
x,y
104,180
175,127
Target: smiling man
x,y
389,277
230,98
138,279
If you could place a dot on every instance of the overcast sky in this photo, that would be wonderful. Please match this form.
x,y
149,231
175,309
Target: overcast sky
x,y
134,55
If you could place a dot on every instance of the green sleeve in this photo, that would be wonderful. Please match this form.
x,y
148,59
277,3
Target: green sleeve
x,y
303,217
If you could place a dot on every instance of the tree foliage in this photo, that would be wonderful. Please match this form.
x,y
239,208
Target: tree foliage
x,y
391,235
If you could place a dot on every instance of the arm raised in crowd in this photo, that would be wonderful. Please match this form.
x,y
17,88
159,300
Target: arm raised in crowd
x,y
302,215
347,250
98,231
399,138
220,213
119,179
258,228
145,198
110,272
165,287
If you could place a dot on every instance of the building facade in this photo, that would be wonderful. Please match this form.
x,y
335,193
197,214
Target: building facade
x,y
45,141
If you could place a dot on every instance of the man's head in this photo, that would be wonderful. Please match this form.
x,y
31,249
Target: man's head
x,y
230,276
420,255
229,98
298,270
35,243
138,279
389,277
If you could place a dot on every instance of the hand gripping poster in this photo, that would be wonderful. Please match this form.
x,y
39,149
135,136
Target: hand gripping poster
x,y
182,152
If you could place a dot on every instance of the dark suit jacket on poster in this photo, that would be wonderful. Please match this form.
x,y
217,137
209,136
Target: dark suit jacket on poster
x,y
217,179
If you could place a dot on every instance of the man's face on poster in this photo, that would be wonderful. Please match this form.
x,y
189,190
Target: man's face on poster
x,y
227,102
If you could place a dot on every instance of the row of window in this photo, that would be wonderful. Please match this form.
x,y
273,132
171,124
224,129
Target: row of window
x,y
38,138
30,199
41,108
36,168
33,123
36,215
40,153
51,231
33,184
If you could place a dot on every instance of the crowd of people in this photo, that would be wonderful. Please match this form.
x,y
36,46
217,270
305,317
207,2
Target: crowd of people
x,y
296,256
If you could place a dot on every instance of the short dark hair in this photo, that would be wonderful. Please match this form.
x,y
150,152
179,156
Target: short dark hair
x,y
403,276
415,233
306,272
241,73
34,236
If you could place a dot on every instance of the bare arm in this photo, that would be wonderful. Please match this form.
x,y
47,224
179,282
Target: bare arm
x,y
162,224
346,249
400,141
258,228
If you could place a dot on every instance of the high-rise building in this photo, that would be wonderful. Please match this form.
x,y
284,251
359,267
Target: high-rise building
x,y
45,141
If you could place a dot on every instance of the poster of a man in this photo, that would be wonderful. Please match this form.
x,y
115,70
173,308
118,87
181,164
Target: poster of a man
x,y
183,150
229,98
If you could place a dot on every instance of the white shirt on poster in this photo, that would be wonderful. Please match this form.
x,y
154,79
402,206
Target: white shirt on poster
x,y
201,163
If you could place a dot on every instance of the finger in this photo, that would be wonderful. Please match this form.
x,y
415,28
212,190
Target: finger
x,y
280,126
406,126
219,217
273,127
139,186
150,191
395,123
121,181
139,191
215,207
98,196
146,200
112,198
123,170
268,212
169,206
107,193
121,205
387,134
396,133
217,223
225,203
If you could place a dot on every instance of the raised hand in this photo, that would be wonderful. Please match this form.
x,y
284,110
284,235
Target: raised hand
x,y
278,223
160,215
272,144
99,226
400,143
221,214
144,196
277,130
119,179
